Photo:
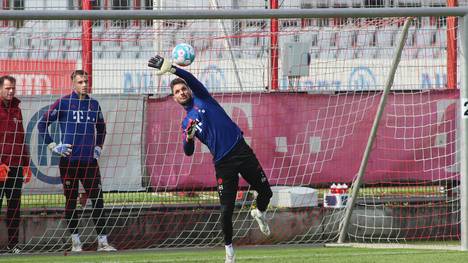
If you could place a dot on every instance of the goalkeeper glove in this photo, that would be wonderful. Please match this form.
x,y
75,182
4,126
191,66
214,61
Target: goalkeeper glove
x,y
4,169
97,152
61,149
27,174
162,65
191,129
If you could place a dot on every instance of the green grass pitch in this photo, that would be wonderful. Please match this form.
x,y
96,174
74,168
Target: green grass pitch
x,y
283,254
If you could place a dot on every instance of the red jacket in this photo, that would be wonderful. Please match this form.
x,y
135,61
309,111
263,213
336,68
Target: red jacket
x,y
13,151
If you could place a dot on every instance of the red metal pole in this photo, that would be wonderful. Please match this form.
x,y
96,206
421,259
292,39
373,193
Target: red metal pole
x,y
452,48
274,47
87,44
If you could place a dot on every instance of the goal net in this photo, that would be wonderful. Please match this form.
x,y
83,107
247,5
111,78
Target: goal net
x,y
305,93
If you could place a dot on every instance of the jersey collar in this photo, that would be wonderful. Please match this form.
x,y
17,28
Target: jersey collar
x,y
75,95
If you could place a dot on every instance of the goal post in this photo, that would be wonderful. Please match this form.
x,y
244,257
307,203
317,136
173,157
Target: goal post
x,y
343,109
376,122
463,150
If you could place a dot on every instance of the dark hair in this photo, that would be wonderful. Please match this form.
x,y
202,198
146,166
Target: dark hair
x,y
7,77
175,82
78,72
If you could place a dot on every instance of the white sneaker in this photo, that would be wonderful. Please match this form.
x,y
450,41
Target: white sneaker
x,y
105,247
230,256
230,259
15,250
76,247
261,220
76,243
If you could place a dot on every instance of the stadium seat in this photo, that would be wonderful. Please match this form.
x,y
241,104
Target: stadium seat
x,y
441,37
321,3
314,53
55,54
384,38
437,3
409,53
384,52
425,37
355,3
71,55
345,38
365,38
425,53
309,36
4,40
341,3
346,53
409,3
131,52
326,38
328,53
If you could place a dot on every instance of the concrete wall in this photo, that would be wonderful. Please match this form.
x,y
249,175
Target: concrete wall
x,y
160,227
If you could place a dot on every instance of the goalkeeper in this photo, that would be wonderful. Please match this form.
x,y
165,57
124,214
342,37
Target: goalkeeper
x,y
83,131
207,121
14,159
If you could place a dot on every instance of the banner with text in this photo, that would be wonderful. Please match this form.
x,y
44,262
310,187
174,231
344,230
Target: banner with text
x,y
303,139
120,162
39,77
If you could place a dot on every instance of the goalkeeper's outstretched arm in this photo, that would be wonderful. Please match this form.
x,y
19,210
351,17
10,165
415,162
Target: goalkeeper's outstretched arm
x,y
164,66
193,83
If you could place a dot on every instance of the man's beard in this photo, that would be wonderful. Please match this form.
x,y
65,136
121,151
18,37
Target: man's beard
x,y
187,102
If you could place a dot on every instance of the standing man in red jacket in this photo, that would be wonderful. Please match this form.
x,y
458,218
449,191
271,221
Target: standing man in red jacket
x,y
14,158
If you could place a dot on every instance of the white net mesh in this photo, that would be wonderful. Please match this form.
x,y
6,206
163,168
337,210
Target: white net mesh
x,y
308,132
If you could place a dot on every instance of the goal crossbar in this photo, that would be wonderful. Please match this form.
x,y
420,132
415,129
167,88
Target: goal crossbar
x,y
182,14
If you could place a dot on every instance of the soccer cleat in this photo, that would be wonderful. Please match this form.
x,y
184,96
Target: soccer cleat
x,y
105,247
76,247
76,243
261,220
14,250
230,258
230,255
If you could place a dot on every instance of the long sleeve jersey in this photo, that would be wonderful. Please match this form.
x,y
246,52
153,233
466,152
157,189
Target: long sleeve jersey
x,y
81,124
13,149
215,128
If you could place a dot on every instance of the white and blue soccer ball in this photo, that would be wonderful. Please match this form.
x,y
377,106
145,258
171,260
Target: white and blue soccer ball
x,y
183,54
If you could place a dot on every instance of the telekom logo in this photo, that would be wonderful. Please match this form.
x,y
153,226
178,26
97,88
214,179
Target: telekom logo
x,y
78,115
33,84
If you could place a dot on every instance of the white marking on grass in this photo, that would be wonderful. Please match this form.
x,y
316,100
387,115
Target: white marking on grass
x,y
275,258
402,246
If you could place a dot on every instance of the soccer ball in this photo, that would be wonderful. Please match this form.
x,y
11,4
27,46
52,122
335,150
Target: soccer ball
x,y
183,54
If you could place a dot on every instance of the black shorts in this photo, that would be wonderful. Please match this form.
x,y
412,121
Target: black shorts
x,y
241,160
71,173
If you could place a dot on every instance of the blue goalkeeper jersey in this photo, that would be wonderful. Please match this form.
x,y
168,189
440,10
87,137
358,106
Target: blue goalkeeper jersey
x,y
215,128
81,124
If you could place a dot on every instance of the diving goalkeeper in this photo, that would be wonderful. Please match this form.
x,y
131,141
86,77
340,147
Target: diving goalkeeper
x,y
207,121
